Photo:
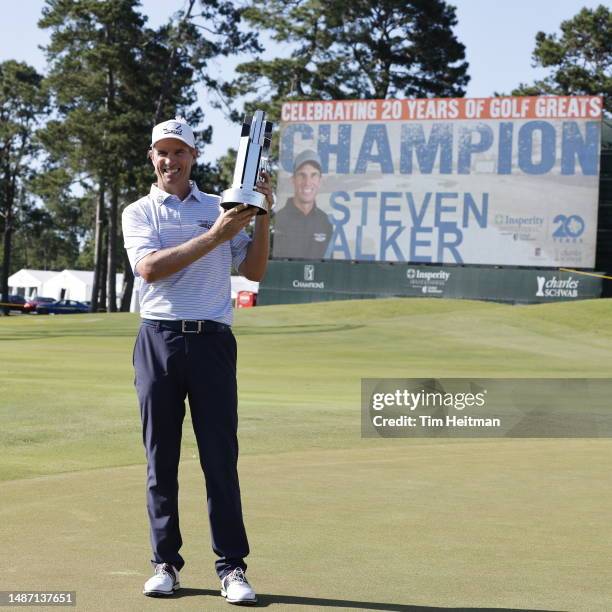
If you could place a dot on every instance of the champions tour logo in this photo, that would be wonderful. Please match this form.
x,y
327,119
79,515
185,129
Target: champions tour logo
x,y
309,279
554,287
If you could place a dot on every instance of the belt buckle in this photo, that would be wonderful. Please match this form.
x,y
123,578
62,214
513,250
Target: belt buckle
x,y
186,322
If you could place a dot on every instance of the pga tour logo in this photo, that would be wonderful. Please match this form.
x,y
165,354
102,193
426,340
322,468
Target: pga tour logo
x,y
309,280
554,287
309,271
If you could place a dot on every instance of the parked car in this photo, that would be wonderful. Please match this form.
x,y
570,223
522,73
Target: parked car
x,y
15,302
62,307
32,304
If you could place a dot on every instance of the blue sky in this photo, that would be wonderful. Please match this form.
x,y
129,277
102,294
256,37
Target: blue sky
x,y
498,34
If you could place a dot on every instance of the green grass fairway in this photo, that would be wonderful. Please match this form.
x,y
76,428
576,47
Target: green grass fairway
x,y
335,521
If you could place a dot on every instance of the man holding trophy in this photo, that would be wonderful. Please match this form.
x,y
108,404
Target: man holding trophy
x,y
182,245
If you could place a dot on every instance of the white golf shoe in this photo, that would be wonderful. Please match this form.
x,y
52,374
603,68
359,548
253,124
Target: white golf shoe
x,y
236,588
164,582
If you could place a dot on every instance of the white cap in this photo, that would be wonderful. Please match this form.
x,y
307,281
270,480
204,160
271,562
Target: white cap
x,y
175,128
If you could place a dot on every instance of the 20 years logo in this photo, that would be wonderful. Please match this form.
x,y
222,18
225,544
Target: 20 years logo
x,y
568,227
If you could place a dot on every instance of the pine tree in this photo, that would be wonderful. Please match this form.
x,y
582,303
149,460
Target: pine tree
x,y
112,79
23,103
93,55
359,49
580,58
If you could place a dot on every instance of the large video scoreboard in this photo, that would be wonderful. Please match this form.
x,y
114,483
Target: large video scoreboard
x,y
498,181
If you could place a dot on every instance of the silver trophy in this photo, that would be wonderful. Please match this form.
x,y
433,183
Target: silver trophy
x,y
251,159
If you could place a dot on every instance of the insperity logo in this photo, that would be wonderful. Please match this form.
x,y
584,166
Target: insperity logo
x,y
554,287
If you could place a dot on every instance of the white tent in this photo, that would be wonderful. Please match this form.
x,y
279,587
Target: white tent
x,y
239,283
30,283
76,285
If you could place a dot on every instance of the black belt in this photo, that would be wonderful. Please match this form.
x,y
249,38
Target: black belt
x,y
189,326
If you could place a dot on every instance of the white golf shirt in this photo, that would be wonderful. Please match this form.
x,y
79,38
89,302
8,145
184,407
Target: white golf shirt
x,y
202,290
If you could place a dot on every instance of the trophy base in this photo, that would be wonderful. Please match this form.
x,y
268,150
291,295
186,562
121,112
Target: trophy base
x,y
234,197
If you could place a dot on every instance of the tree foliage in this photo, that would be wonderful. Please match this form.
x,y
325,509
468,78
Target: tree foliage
x,y
580,57
23,102
112,78
357,49
105,73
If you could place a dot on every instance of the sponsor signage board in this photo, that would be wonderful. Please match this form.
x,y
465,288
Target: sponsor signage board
x,y
295,282
490,181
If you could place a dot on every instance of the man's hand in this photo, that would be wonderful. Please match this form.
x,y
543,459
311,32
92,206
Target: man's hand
x,y
256,260
231,221
265,186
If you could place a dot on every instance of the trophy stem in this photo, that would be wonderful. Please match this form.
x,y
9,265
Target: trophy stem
x,y
252,154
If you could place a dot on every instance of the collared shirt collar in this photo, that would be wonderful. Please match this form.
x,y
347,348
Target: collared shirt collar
x,y
297,211
159,196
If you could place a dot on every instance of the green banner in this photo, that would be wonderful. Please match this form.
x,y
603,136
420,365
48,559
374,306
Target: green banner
x,y
289,282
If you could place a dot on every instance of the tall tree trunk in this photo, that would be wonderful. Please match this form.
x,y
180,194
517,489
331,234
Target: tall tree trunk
x,y
110,299
6,261
171,65
111,278
128,284
99,248
103,272
9,195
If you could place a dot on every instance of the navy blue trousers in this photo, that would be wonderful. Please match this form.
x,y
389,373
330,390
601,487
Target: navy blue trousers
x,y
170,367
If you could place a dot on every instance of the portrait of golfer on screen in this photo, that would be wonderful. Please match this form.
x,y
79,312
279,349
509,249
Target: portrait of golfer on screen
x,y
302,230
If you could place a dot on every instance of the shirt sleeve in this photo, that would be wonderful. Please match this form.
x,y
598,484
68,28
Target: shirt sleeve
x,y
239,244
139,236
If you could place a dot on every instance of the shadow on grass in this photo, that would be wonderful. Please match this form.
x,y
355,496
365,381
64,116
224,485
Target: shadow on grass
x,y
267,599
45,334
292,329
30,336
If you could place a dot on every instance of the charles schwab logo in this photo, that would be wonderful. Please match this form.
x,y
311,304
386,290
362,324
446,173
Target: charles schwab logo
x,y
554,287
309,279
